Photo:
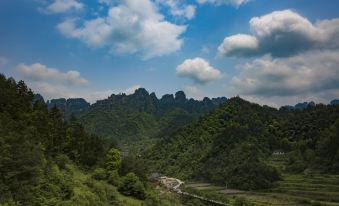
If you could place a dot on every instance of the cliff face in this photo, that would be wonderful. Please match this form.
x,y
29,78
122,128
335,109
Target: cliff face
x,y
123,117
69,106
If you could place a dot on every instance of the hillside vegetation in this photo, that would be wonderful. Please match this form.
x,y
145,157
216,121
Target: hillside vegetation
x,y
45,160
231,145
126,118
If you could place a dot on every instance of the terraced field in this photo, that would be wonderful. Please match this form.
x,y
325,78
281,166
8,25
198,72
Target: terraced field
x,y
311,188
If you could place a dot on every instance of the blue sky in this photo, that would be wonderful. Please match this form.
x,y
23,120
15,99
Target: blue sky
x,y
272,52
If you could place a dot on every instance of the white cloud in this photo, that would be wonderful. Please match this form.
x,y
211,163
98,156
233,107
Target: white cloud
x,y
179,8
240,44
52,83
93,96
313,73
194,92
130,27
282,33
236,3
108,2
188,11
39,72
199,70
61,6
132,89
54,91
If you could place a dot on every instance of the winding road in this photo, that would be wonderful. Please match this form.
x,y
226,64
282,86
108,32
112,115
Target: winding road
x,y
174,184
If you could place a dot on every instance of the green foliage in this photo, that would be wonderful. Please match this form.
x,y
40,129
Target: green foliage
x,y
113,160
36,145
296,162
226,146
56,186
240,201
134,164
327,149
245,169
99,174
113,178
126,118
231,145
132,186
41,153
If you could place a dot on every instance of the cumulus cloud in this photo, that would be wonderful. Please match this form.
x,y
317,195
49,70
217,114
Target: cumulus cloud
x,y
39,72
132,89
282,34
311,73
199,70
194,92
130,27
238,45
236,3
61,6
54,91
179,8
52,83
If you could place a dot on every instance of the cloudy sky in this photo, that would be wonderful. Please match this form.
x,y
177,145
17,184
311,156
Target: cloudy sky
x,y
273,52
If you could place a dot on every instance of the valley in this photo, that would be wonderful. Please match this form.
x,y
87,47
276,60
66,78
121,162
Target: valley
x,y
214,152
169,103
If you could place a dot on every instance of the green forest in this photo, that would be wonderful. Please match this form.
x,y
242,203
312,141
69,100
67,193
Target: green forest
x,y
232,144
47,160
105,154
125,118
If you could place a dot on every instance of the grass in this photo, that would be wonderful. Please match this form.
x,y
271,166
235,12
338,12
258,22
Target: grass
x,y
128,201
310,188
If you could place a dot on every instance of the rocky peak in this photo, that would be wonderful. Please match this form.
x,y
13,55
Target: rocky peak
x,y
180,96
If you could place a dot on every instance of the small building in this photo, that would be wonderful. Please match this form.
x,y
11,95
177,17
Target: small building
x,y
278,152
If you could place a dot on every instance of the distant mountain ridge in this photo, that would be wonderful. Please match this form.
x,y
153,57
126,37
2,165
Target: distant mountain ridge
x,y
69,106
123,117
305,105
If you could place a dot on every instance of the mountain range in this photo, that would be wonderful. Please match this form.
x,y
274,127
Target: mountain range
x,y
121,117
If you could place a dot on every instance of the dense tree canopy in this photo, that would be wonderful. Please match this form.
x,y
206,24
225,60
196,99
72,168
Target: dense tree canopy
x,y
32,141
125,118
231,145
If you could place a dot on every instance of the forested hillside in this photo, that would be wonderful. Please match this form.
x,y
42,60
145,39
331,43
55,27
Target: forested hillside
x,y
231,144
127,118
46,160
35,144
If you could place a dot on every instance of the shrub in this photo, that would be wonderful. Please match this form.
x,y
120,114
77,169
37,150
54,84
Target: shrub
x,y
99,174
113,160
240,201
62,161
132,186
113,178
316,203
103,191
